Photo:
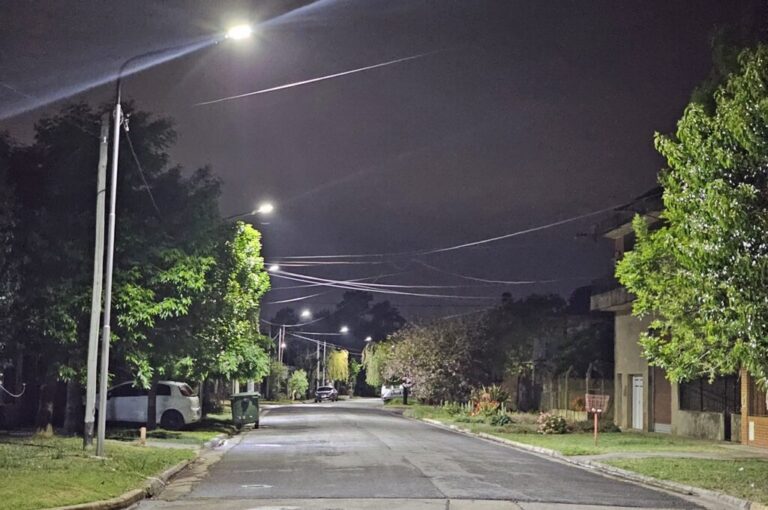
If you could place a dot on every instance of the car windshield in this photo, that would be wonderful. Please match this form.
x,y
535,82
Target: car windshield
x,y
325,388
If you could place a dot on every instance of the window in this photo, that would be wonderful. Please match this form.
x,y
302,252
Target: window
x,y
723,395
128,390
758,400
163,390
186,391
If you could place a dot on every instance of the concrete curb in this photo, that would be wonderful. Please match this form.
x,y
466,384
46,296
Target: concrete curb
x,y
152,486
687,490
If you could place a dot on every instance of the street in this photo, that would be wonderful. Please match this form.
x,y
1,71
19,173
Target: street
x,y
359,455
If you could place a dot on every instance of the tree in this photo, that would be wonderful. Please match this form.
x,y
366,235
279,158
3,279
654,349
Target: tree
x,y
443,359
298,384
703,274
338,365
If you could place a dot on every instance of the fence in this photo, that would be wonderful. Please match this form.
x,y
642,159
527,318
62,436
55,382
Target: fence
x,y
564,395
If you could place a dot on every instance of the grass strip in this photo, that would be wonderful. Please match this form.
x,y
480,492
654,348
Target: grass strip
x,y
43,473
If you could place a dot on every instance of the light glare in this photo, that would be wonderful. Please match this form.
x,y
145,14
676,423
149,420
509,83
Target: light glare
x,y
240,32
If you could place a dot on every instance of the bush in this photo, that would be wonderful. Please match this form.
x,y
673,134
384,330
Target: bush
x,y
551,424
578,404
501,420
453,408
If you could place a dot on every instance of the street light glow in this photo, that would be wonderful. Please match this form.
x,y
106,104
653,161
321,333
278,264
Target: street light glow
x,y
239,32
344,329
273,268
265,208
368,339
306,313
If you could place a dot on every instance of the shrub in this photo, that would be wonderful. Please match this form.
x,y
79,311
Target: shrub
x,y
453,408
551,424
589,426
500,419
578,404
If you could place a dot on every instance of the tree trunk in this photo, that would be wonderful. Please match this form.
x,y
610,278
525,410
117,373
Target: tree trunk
x,y
152,406
73,412
44,416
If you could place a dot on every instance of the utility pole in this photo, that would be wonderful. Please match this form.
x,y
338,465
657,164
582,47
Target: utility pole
x,y
325,362
98,274
317,375
106,330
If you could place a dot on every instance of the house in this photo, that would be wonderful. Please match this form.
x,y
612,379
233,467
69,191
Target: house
x,y
644,399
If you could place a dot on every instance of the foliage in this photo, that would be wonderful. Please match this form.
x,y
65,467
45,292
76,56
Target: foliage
x,y
551,424
298,384
376,357
338,365
702,276
578,404
443,359
500,420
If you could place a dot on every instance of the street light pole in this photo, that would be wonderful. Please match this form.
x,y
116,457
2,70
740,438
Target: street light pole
x,y
239,32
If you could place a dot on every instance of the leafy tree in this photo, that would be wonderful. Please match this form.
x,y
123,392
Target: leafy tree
x,y
338,365
376,357
443,359
703,274
354,372
298,384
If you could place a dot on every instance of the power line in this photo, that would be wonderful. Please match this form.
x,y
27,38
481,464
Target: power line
x,y
141,171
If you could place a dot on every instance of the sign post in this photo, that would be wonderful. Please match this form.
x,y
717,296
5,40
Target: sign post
x,y
597,404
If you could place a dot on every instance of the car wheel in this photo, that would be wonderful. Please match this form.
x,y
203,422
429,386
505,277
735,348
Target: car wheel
x,y
172,420
256,425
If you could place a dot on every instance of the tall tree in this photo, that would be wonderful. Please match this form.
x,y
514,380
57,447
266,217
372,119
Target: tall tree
x,y
703,275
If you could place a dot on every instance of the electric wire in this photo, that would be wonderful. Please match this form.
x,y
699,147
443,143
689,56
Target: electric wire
x,y
141,171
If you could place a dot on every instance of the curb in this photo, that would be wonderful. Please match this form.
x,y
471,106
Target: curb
x,y
687,490
151,487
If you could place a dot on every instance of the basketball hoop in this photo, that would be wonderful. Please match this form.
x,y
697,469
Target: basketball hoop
x,y
597,405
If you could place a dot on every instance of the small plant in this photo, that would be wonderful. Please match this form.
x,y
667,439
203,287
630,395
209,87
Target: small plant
x,y
453,408
578,404
500,420
551,424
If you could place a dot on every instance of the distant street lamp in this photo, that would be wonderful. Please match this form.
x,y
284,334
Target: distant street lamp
x,y
273,268
368,339
344,330
306,314
236,33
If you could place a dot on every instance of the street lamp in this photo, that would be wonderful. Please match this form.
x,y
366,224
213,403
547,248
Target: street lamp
x,y
368,339
344,330
263,208
306,314
273,268
236,33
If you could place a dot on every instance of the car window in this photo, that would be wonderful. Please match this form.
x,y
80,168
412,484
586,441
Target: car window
x,y
186,391
163,390
325,388
128,390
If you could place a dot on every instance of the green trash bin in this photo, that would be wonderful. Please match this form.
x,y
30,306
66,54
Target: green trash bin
x,y
245,409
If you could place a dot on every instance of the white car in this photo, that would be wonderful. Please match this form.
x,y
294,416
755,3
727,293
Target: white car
x,y
390,392
177,404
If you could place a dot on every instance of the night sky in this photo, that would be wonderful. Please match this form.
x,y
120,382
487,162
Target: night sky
x,y
522,114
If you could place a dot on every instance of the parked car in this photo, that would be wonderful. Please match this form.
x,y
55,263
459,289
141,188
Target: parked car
x,y
326,393
177,404
390,392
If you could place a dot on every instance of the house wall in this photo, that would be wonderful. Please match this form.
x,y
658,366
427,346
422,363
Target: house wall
x,y
699,424
628,362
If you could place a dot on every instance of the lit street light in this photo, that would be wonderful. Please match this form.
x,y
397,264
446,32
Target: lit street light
x,y
273,268
368,339
344,330
236,33
306,314
264,208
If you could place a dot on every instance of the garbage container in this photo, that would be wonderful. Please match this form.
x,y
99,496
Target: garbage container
x,y
245,408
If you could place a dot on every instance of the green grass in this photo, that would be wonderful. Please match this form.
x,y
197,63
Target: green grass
x,y
43,473
747,478
523,430
194,434
614,442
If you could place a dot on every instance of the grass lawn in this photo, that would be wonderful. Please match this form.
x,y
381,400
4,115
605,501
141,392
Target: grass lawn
x,y
747,479
43,473
194,434
613,442
523,430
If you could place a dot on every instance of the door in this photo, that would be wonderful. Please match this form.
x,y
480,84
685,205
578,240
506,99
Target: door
x,y
637,402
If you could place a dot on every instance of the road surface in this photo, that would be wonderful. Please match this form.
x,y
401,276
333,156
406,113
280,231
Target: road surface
x,y
356,455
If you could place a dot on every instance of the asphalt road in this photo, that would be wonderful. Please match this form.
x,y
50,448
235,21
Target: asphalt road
x,y
359,456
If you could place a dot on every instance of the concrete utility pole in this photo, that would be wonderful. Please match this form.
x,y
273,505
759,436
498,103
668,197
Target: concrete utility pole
x,y
325,361
98,273
317,375
106,334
